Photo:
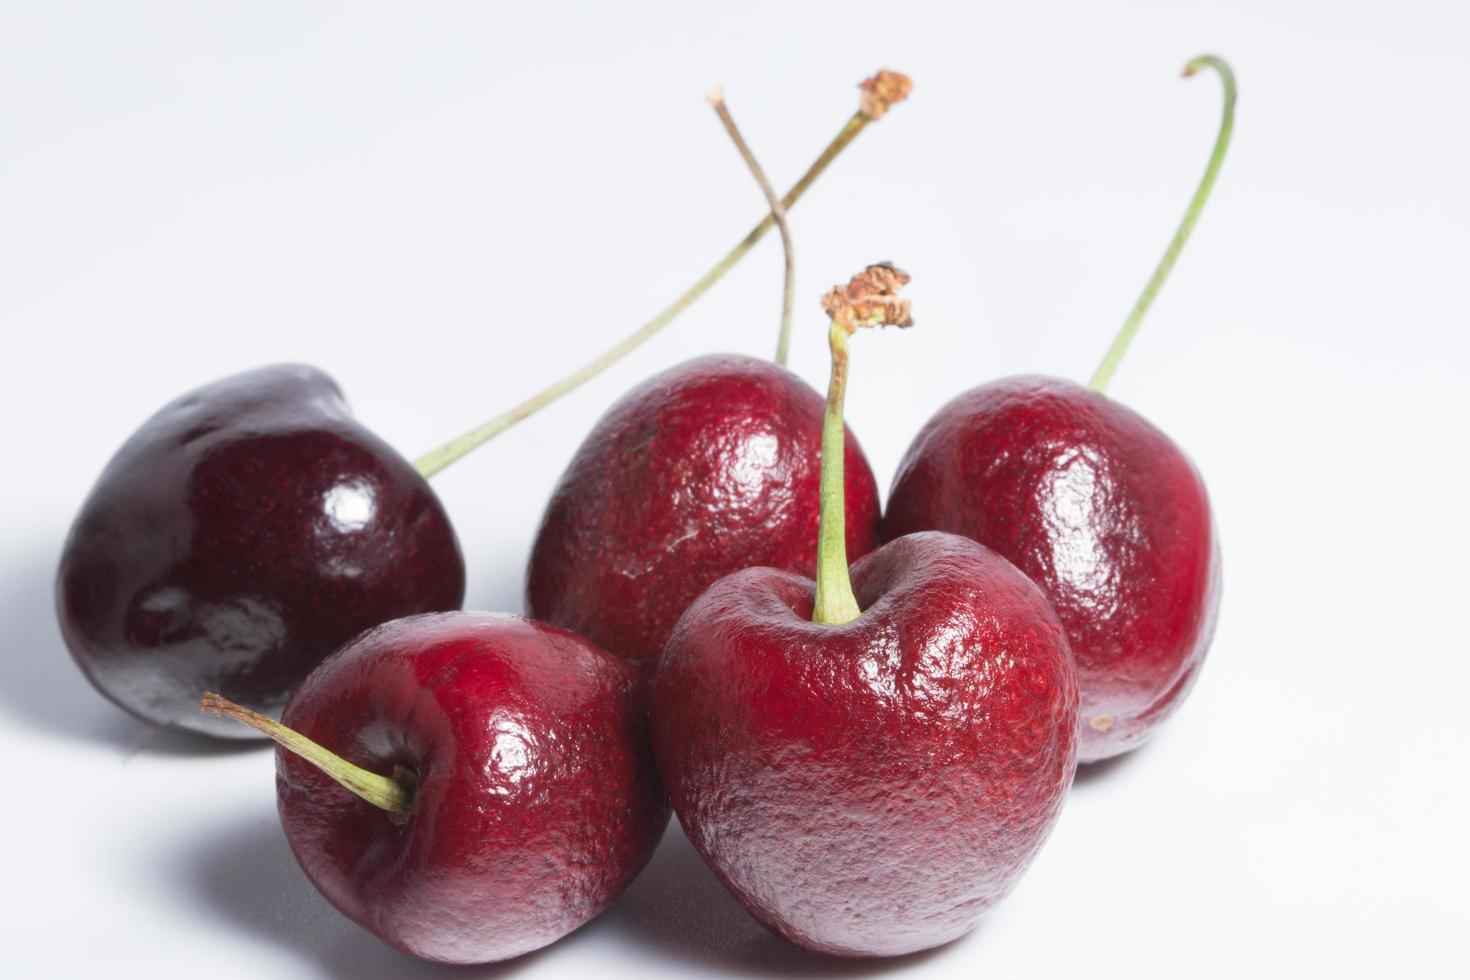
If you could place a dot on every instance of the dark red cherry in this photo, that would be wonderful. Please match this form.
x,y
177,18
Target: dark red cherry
x,y
245,532
467,786
869,764
1103,511
707,468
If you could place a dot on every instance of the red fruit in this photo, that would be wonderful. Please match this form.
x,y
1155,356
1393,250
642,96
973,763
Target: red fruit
x,y
533,800
1100,508
868,763
870,789
1104,512
244,532
707,468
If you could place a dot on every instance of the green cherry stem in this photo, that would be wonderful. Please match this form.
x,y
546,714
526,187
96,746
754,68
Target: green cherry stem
x,y
880,92
778,215
870,300
835,602
392,793
1105,370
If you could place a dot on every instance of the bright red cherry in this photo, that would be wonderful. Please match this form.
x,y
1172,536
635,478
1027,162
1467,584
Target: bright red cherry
x,y
467,786
1101,510
868,765
702,470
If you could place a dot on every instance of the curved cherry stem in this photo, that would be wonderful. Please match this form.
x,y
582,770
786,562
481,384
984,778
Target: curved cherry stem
x,y
435,460
879,93
1110,361
870,299
392,793
778,214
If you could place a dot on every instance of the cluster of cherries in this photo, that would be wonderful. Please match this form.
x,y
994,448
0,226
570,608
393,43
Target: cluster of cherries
x,y
867,756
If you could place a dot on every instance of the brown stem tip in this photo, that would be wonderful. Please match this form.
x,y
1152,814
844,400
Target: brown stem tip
x,y
223,707
870,299
884,90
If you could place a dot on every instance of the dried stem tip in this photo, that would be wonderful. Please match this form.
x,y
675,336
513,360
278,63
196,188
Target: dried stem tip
x,y
882,91
213,703
870,299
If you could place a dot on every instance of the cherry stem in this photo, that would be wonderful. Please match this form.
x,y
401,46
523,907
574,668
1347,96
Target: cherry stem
x,y
835,603
870,299
880,93
1105,370
778,214
392,793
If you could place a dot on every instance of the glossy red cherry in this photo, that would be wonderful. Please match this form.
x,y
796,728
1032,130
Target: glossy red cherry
x,y
873,788
702,470
868,765
1101,510
468,786
246,531
1099,507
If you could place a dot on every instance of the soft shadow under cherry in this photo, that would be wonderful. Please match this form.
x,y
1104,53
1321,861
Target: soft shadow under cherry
x,y
1107,770
245,873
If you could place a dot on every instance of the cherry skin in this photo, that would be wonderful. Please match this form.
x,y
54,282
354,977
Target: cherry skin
x,y
707,468
246,531
870,789
1100,509
533,800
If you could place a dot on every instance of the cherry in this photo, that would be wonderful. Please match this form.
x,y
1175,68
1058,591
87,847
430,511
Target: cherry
x,y
251,527
1098,506
247,530
868,763
702,470
494,789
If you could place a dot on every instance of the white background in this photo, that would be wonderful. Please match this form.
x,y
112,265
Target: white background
x,y
447,205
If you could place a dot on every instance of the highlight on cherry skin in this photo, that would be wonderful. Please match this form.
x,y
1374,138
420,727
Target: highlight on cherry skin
x,y
1098,506
466,786
796,723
